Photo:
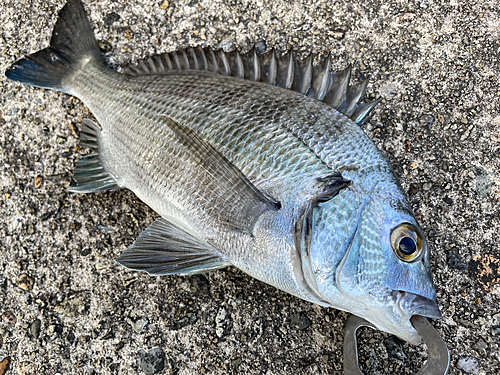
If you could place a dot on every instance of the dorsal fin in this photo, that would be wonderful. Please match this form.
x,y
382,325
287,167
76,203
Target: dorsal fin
x,y
284,71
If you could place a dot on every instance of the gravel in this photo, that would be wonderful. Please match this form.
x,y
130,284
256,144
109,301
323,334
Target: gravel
x,y
435,66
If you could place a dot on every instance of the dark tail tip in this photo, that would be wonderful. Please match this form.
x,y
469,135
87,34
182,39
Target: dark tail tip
x,y
72,39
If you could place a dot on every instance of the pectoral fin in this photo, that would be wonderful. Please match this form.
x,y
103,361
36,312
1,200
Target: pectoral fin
x,y
165,249
217,185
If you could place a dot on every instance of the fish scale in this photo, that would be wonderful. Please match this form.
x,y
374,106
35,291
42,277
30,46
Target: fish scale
x,y
255,161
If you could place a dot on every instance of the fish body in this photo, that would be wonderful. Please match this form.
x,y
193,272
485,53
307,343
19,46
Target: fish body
x,y
277,183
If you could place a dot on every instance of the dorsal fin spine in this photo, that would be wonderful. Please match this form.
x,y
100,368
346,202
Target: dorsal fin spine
x,y
256,66
186,60
239,66
317,82
214,61
273,68
225,62
194,58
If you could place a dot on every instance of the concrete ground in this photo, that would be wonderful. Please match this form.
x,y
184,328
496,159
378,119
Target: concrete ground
x,y
68,309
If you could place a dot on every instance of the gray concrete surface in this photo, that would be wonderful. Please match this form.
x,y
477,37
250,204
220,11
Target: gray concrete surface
x,y
68,309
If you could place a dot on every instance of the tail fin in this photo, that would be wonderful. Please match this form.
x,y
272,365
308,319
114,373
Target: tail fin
x,y
72,40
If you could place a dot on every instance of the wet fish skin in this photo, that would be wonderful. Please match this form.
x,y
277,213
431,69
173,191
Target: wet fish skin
x,y
238,171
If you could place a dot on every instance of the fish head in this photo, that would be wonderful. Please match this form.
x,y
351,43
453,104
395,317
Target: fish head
x,y
379,267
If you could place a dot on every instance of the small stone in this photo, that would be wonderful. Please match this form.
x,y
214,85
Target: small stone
x,y
25,282
38,182
413,189
496,320
198,284
260,47
4,365
469,365
31,229
236,362
427,186
151,362
140,325
300,322
164,5
395,349
75,305
426,121
480,347
111,18
72,127
455,262
9,318
127,33
35,328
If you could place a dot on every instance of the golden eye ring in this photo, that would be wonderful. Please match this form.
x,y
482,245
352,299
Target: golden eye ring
x,y
407,242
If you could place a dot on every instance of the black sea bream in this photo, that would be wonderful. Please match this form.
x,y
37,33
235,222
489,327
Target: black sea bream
x,y
255,161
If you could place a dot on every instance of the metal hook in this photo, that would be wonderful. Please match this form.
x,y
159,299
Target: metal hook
x,y
438,360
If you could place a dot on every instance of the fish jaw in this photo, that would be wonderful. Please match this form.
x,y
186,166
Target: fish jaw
x,y
395,318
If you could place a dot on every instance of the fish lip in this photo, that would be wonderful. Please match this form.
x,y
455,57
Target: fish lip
x,y
413,304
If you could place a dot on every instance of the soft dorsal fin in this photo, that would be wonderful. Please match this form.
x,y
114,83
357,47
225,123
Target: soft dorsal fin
x,y
284,71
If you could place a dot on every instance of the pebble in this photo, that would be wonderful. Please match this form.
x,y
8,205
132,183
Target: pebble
x,y
426,120
395,349
25,282
480,347
164,5
9,318
469,365
111,18
35,328
38,182
455,262
140,325
74,306
300,322
151,362
260,47
427,186
483,182
199,285
4,365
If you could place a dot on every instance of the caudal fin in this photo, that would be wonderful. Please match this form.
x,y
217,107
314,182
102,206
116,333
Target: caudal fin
x,y
72,40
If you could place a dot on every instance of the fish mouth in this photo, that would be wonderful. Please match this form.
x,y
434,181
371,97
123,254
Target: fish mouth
x,y
412,304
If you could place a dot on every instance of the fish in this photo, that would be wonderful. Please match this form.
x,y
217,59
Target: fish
x,y
256,161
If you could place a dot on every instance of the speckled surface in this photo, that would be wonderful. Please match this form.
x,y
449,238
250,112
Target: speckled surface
x,y
67,308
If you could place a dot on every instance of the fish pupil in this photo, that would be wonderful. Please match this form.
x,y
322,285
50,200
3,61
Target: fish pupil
x,y
407,246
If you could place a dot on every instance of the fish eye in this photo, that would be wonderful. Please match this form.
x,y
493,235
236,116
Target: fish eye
x,y
406,242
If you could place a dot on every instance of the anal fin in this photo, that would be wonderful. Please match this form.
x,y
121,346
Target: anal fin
x,y
165,249
90,174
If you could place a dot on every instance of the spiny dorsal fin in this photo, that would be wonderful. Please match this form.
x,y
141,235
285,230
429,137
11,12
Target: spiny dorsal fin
x,y
298,75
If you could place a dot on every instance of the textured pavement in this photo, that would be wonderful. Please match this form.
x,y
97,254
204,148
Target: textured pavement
x,y
67,308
